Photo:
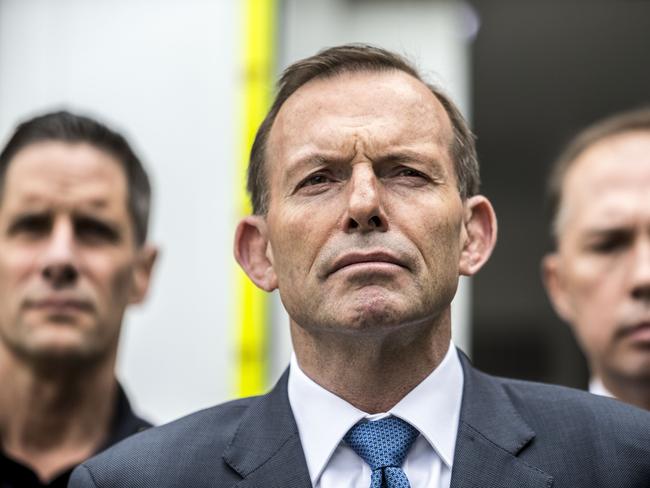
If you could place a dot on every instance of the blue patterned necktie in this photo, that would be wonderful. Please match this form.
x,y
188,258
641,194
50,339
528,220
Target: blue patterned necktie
x,y
383,444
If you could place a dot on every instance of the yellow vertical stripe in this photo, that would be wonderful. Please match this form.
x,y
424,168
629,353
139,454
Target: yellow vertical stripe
x,y
257,81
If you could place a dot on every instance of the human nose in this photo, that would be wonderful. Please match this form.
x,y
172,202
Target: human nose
x,y
59,267
365,210
641,271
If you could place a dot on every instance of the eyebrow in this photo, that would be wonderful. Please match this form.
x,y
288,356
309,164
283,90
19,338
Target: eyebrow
x,y
48,213
316,159
407,155
16,220
619,230
21,216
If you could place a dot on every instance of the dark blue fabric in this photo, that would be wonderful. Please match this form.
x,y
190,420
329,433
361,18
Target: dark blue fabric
x,y
383,444
512,434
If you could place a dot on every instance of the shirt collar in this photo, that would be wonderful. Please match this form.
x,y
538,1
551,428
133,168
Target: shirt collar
x,y
597,387
433,407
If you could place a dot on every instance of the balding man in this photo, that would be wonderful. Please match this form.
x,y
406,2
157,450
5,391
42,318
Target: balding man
x,y
364,183
598,277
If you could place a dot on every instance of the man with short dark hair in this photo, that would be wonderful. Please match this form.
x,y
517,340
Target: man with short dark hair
x,y
364,181
598,278
74,206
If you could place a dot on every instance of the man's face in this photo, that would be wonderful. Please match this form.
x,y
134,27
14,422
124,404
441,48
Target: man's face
x,y
600,277
68,261
365,220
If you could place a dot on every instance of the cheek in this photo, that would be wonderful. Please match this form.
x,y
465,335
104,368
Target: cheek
x,y
297,241
595,295
594,330
18,265
440,242
19,275
596,281
111,277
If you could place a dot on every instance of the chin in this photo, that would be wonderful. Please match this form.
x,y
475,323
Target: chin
x,y
371,321
641,367
633,369
378,315
63,352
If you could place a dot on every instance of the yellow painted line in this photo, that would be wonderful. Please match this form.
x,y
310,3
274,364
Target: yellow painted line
x,y
252,321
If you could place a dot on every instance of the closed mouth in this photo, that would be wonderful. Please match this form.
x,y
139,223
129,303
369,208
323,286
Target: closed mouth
x,y
640,329
360,258
60,304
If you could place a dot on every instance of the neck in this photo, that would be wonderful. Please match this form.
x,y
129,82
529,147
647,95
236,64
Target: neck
x,y
51,420
373,372
635,391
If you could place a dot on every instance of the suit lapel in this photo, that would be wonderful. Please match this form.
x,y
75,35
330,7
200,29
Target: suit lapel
x,y
266,450
491,434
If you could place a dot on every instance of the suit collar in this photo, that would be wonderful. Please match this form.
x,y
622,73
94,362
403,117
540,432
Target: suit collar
x,y
266,450
491,435
324,418
487,409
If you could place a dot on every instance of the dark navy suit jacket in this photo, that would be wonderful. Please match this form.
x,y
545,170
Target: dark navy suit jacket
x,y
512,434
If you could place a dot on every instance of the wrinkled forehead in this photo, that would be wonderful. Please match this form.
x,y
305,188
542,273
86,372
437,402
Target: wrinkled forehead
x,y
390,106
609,182
62,171
66,158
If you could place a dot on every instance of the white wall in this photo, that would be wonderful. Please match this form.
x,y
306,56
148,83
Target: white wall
x,y
167,73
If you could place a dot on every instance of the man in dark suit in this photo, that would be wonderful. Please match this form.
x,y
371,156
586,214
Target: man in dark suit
x,y
364,183
73,256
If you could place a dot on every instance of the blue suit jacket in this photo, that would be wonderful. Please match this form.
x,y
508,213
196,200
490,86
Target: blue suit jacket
x,y
512,434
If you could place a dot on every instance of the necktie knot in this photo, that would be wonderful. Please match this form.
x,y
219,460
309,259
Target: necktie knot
x,y
382,443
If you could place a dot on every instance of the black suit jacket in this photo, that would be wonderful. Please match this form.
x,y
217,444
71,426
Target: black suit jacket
x,y
512,434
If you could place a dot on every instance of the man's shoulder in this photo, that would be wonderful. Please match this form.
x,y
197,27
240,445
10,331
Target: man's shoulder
x,y
212,424
553,432
575,416
170,452
555,400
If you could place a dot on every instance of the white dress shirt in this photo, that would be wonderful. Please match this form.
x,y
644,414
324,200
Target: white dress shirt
x,y
597,388
432,407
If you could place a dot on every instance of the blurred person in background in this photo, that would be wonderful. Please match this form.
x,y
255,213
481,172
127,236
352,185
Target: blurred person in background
x,y
364,182
598,277
74,207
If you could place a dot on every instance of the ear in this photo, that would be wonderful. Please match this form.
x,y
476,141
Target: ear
x,y
480,229
144,263
555,286
253,252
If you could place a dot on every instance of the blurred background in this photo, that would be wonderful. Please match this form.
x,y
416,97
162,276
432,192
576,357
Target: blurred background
x,y
188,82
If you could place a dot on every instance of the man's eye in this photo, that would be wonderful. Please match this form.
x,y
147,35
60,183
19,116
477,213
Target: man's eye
x,y
411,174
32,225
609,245
91,230
408,172
315,179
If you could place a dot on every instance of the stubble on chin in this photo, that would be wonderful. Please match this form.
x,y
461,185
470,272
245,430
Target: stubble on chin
x,y
55,356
